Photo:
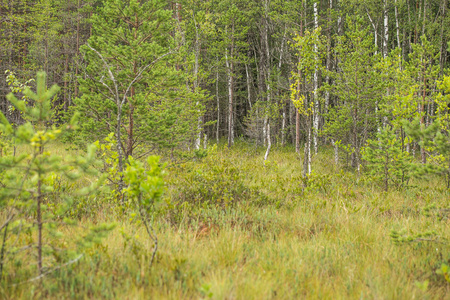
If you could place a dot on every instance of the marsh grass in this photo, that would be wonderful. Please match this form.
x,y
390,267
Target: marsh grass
x,y
326,238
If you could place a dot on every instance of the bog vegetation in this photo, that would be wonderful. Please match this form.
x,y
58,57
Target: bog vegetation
x,y
224,149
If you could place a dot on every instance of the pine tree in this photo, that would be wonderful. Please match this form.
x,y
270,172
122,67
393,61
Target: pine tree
x,y
358,88
35,210
386,159
131,85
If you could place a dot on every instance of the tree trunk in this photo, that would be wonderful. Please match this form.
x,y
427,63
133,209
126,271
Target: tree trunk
x,y
77,49
269,143
375,30
229,65
196,84
386,30
316,83
249,94
424,16
282,105
218,105
397,25
328,63
443,44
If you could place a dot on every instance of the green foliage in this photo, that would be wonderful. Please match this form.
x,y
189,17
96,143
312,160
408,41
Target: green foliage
x,y
310,51
34,203
16,87
214,182
132,86
108,155
387,161
358,85
145,183
400,237
437,144
145,189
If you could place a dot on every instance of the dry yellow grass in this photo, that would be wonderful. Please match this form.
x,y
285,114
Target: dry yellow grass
x,y
329,242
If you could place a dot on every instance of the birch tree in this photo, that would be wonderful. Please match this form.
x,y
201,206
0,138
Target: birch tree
x,y
309,48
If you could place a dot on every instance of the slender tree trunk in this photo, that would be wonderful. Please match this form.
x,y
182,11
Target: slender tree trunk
x,y
424,16
397,25
196,84
249,94
39,212
336,152
386,30
419,10
385,46
269,143
218,105
66,71
282,105
229,65
267,67
39,224
297,131
409,27
316,84
422,111
307,154
120,161
130,125
297,114
328,63
375,31
443,44
77,49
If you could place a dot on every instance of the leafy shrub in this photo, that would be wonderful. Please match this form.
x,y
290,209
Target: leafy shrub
x,y
215,182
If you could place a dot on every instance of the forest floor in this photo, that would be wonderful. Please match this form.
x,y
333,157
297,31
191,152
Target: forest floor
x,y
232,227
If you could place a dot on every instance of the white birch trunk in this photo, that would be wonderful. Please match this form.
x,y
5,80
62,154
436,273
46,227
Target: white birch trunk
x,y
265,128
269,143
397,25
386,30
375,27
339,21
266,40
316,84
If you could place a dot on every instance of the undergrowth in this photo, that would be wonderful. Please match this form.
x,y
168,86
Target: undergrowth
x,y
232,227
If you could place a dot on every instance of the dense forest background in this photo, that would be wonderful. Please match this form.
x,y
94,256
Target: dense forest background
x,y
352,66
